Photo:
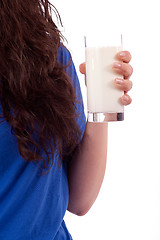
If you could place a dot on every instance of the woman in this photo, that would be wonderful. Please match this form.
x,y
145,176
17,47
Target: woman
x,y
50,159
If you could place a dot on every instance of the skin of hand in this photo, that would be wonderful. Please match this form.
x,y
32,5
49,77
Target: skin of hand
x,y
122,67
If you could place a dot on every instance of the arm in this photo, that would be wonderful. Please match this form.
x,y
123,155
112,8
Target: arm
x,y
87,168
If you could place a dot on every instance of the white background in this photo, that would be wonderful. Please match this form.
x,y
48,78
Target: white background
x,y
128,205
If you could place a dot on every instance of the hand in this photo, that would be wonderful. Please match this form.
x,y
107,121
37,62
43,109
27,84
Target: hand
x,y
126,70
123,68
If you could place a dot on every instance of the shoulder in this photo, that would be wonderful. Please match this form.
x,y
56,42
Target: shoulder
x,y
64,56
65,59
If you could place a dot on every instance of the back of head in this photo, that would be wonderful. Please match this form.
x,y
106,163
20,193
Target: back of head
x,y
32,81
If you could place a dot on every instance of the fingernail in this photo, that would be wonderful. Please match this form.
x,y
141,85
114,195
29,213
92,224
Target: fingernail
x,y
122,54
126,98
118,81
116,65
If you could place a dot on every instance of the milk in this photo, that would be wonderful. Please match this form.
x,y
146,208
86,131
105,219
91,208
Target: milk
x,y
102,95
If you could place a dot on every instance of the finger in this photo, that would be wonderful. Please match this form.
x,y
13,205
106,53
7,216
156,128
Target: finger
x,y
126,99
123,84
123,68
124,56
82,68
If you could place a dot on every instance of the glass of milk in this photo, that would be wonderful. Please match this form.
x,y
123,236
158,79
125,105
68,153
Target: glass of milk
x,y
103,98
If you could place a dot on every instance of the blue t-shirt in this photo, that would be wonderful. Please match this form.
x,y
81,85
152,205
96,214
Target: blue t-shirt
x,y
32,206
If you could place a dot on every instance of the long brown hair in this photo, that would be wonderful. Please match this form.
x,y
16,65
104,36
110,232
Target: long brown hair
x,y
37,97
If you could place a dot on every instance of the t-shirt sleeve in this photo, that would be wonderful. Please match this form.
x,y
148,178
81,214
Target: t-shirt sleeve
x,y
66,59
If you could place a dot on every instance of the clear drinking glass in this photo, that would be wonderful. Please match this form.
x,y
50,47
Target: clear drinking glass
x,y
103,98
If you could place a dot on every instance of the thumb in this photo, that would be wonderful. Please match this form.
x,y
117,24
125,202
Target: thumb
x,y
82,68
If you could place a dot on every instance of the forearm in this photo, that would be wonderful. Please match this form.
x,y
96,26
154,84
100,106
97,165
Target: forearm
x,y
87,168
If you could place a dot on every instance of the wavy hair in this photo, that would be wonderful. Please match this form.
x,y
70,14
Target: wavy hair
x,y
36,95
